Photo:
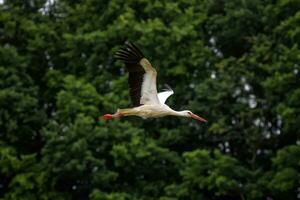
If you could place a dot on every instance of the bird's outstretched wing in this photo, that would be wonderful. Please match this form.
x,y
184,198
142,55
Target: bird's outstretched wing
x,y
163,96
142,76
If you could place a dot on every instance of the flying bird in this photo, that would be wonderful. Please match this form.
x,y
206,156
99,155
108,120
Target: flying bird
x,y
147,103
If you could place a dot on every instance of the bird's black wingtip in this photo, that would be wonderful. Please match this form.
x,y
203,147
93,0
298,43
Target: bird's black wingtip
x,y
127,42
129,53
167,87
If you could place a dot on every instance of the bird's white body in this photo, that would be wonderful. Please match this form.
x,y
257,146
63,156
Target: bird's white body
x,y
149,111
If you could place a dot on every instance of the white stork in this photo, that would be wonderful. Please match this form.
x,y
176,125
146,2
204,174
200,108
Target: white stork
x,y
147,103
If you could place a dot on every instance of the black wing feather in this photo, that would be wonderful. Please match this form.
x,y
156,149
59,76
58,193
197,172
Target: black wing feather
x,y
131,56
167,87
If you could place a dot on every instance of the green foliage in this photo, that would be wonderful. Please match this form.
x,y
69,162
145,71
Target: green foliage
x,y
234,62
286,171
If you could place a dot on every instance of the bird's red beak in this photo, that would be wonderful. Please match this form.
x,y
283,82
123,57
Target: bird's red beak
x,y
198,118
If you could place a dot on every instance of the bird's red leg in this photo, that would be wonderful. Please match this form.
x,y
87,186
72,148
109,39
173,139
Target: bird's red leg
x,y
119,113
107,116
110,116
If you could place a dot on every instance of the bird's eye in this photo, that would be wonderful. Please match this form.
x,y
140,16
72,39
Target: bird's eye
x,y
190,113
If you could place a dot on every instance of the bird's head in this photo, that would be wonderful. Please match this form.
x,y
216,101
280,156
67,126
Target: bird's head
x,y
187,113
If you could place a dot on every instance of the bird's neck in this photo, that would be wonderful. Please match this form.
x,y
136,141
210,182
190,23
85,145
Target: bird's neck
x,y
175,112
179,113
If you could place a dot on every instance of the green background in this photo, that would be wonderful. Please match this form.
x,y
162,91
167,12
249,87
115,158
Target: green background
x,y
234,62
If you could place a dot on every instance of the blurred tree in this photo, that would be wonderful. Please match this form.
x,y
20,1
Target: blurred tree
x,y
234,62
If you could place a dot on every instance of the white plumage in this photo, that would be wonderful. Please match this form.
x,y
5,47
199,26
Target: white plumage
x,y
163,96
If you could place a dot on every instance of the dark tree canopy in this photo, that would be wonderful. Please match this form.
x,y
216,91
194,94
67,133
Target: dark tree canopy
x,y
237,63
